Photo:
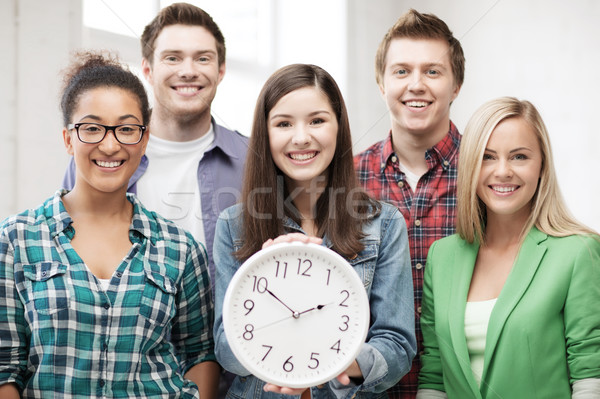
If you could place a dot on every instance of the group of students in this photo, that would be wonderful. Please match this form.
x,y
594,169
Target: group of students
x,y
104,297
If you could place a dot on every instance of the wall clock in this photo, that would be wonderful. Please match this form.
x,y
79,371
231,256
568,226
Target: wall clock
x,y
296,314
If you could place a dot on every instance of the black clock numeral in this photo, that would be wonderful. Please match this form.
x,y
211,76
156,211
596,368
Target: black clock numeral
x,y
287,365
345,322
313,358
284,268
248,333
336,346
305,272
260,285
347,295
268,351
328,275
248,305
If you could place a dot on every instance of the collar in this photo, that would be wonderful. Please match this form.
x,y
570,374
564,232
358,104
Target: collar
x,y
445,150
59,220
290,226
536,236
440,154
143,222
222,140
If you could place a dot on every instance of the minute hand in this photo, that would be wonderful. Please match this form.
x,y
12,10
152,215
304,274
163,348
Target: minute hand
x,y
294,313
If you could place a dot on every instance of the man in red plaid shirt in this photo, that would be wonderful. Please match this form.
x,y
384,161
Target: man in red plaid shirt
x,y
419,70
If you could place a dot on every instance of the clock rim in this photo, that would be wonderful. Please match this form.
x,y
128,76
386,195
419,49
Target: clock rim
x,y
266,252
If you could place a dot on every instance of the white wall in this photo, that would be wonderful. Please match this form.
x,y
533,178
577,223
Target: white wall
x,y
8,107
35,38
543,51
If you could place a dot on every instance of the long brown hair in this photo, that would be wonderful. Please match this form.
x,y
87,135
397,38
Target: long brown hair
x,y
341,209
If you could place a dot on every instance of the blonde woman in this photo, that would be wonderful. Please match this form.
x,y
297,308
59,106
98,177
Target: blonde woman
x,y
510,302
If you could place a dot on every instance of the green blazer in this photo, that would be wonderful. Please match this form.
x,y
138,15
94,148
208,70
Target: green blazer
x,y
544,331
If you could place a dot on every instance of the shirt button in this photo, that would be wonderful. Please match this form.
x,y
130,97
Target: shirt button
x,y
394,159
417,223
382,165
119,275
419,309
106,306
419,266
44,273
446,163
400,184
101,383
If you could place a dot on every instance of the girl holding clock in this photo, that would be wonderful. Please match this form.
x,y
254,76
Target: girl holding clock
x,y
300,185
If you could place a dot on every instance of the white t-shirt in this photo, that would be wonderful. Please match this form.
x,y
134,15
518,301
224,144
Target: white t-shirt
x,y
169,186
411,178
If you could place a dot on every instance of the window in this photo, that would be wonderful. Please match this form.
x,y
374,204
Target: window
x,y
260,36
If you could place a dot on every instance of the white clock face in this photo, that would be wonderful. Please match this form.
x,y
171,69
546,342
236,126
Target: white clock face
x,y
296,314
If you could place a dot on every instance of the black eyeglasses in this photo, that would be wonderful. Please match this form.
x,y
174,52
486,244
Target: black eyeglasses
x,y
92,133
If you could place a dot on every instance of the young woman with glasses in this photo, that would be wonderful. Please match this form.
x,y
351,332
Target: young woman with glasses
x,y
102,297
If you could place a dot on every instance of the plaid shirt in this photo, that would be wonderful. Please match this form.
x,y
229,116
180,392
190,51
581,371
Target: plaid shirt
x,y
62,336
429,212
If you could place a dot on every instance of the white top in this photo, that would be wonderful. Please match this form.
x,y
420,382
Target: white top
x,y
411,178
104,282
169,186
477,318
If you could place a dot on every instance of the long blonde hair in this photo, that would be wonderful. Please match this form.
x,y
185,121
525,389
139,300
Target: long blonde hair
x,y
548,211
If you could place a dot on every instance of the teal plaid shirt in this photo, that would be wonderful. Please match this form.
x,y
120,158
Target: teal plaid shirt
x,y
62,336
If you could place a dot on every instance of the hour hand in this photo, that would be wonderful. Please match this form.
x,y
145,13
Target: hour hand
x,y
318,307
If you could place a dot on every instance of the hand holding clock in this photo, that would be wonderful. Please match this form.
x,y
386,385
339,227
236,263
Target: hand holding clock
x,y
310,343
344,378
293,237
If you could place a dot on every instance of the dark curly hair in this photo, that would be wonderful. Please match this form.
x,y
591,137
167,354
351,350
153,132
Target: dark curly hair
x,y
90,70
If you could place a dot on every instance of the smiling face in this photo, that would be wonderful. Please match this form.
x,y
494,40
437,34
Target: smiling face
x,y
108,165
184,73
303,132
418,87
510,170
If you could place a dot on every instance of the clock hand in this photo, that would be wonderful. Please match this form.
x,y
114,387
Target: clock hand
x,y
318,307
274,322
294,313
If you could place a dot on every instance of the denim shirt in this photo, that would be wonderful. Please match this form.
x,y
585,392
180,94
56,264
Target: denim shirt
x,y
383,266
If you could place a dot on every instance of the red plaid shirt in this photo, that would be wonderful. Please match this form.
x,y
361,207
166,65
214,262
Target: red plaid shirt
x,y
429,212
